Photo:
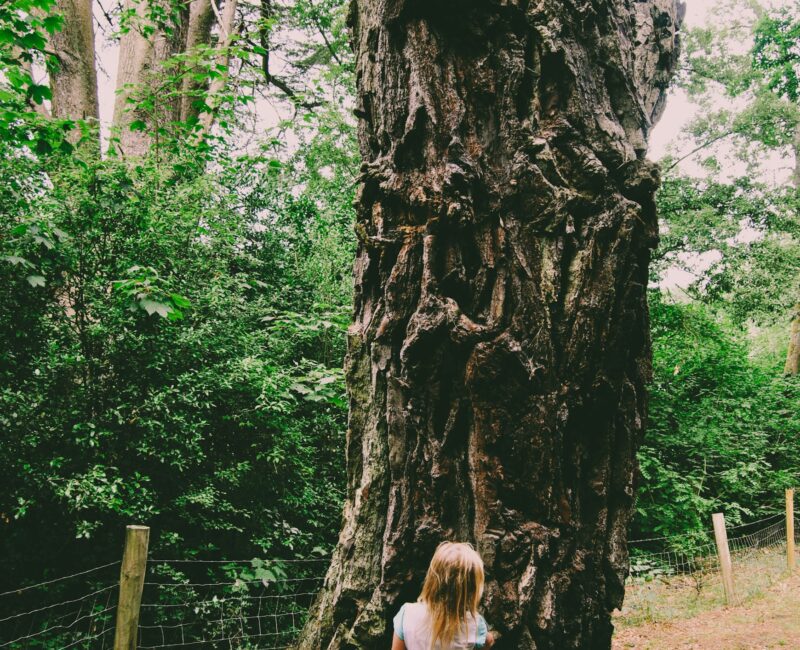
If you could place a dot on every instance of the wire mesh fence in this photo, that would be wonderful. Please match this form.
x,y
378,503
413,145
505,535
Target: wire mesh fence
x,y
227,604
74,611
677,577
263,603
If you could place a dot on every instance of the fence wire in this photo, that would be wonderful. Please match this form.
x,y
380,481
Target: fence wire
x,y
227,604
70,612
676,577
264,603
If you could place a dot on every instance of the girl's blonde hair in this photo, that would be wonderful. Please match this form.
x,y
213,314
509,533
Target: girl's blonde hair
x,y
452,589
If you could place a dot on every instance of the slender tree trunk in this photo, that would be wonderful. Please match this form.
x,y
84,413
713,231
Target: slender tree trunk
x,y
227,33
497,363
74,82
792,365
140,75
198,33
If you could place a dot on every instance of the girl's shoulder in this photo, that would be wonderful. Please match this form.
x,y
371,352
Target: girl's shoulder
x,y
411,621
410,617
412,611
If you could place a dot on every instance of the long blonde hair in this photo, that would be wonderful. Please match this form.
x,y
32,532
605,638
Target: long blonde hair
x,y
452,589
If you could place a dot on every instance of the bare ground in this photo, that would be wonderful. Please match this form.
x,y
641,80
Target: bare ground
x,y
771,620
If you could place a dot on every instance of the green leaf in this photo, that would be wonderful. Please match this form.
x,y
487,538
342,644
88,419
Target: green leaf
x,y
35,280
43,146
180,301
53,23
155,307
17,261
39,93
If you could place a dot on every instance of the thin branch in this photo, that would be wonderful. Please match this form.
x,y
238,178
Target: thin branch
x,y
699,148
215,9
105,13
324,37
281,84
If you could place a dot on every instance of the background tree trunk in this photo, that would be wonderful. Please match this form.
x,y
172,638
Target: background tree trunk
x,y
500,350
198,33
792,366
227,22
74,83
140,70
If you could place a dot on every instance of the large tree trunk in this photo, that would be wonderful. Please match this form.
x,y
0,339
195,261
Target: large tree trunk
x,y
792,365
140,74
74,82
500,350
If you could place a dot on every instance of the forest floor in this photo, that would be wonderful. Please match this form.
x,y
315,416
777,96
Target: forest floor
x,y
768,620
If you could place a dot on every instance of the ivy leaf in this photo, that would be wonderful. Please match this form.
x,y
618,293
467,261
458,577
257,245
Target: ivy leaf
x,y
35,280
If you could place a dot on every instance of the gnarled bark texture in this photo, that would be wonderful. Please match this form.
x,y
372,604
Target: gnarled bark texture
x,y
74,82
500,350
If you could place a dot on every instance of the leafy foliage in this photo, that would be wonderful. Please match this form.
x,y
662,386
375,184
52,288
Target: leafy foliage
x,y
723,424
722,430
157,368
172,338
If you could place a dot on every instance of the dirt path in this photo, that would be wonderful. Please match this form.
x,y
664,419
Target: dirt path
x,y
770,621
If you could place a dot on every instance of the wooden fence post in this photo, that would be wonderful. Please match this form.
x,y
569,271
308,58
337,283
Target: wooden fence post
x,y
790,528
131,583
724,554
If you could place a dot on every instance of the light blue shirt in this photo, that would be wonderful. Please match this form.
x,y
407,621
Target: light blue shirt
x,y
411,626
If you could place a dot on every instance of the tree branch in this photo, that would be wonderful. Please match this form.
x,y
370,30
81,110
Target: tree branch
x,y
325,38
699,148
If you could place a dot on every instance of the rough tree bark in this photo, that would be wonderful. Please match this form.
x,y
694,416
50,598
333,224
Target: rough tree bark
x,y
74,82
140,67
792,365
500,350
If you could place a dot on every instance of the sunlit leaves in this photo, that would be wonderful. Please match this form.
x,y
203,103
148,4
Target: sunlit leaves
x,y
24,25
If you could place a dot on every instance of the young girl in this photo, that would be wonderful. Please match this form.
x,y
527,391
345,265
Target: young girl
x,y
446,616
